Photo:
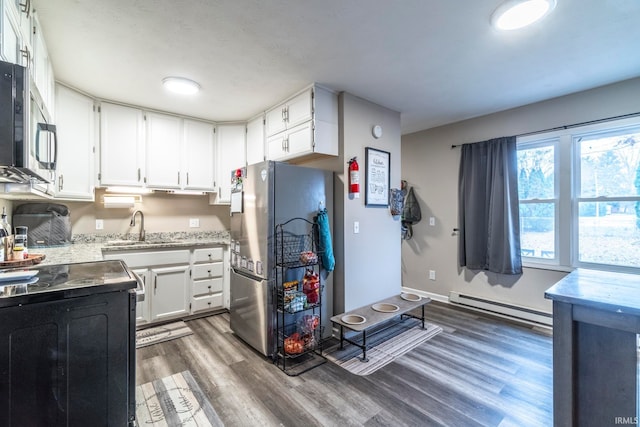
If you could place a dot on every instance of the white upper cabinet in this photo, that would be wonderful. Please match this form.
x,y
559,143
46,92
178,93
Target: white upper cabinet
x,y
163,148
42,72
230,155
11,39
255,140
199,146
304,125
121,145
290,113
75,124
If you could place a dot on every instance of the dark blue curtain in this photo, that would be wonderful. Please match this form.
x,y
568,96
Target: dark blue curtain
x,y
489,225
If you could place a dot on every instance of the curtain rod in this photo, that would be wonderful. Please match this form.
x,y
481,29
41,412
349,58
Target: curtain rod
x,y
590,122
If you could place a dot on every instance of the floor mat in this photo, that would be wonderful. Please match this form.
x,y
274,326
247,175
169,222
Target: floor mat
x,y
174,401
384,347
150,336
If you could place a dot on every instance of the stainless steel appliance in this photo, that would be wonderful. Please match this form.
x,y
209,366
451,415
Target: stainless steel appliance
x,y
267,194
67,352
28,145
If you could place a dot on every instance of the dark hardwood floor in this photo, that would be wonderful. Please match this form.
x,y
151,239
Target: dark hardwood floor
x,y
481,371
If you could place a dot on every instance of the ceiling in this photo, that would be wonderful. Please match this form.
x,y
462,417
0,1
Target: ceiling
x,y
434,61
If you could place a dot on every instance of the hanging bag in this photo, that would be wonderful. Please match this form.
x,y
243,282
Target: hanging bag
x,y
411,214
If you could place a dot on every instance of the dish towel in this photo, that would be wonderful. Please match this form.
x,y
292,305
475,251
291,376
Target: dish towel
x,y
325,246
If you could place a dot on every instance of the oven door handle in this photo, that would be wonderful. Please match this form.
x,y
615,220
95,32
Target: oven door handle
x,y
140,289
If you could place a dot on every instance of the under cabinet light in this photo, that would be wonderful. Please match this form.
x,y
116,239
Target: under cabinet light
x,y
514,14
128,190
121,201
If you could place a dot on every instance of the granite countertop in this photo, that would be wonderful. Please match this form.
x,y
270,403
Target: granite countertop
x,y
90,247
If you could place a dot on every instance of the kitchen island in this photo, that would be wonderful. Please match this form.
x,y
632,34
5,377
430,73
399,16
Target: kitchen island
x,y
596,319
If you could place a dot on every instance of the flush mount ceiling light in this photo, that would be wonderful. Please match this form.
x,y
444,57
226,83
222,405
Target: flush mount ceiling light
x,y
181,85
514,14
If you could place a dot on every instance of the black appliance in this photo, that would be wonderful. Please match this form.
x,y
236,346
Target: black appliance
x,y
28,144
67,349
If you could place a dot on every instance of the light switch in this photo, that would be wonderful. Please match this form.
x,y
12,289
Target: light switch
x,y
194,222
356,227
432,221
99,224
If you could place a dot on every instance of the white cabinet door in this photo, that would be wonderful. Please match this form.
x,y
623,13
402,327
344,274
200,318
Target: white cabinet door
x,y
163,148
255,141
299,109
170,292
142,307
76,134
121,145
11,40
40,63
199,146
275,120
276,146
300,140
230,155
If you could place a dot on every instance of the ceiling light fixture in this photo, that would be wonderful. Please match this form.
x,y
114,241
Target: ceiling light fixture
x,y
181,85
514,14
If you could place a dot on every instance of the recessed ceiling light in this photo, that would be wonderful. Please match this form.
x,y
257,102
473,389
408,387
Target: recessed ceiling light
x,y
181,85
514,14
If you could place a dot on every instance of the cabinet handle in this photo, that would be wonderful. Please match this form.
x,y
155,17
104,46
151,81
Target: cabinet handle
x,y
178,177
208,271
283,114
209,286
155,284
138,174
26,54
26,7
209,303
187,178
60,182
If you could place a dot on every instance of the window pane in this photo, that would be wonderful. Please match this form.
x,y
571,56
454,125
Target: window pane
x,y
537,230
609,165
535,173
609,233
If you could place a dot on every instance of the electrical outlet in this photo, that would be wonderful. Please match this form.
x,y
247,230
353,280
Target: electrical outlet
x,y
432,221
356,227
432,275
194,222
99,224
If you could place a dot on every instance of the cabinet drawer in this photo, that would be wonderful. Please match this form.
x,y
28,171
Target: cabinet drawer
x,y
207,255
146,259
206,271
206,303
208,286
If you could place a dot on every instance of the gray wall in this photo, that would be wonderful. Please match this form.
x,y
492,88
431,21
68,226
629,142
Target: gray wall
x,y
431,167
368,263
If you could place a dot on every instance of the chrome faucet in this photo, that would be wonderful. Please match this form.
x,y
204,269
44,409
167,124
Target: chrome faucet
x,y
141,237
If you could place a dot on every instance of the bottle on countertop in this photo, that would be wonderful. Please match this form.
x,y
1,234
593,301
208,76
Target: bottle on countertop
x,y
5,231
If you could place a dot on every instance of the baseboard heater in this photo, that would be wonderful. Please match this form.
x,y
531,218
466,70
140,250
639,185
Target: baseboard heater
x,y
502,309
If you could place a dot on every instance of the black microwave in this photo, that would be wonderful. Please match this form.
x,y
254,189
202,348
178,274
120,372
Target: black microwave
x,y
28,143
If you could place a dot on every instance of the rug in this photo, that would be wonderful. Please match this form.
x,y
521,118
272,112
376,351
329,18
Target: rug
x,y
155,335
174,401
384,346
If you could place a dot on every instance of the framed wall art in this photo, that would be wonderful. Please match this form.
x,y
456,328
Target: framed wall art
x,y
377,176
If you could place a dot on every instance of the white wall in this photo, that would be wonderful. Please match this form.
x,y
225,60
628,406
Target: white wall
x,y
431,167
368,263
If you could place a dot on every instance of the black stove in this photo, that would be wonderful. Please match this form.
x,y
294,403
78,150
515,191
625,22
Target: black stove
x,y
65,281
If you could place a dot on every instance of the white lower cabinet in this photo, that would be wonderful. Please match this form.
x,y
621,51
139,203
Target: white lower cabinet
x,y
169,292
178,283
207,279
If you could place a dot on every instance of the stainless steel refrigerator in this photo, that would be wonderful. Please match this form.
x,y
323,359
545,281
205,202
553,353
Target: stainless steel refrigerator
x,y
265,195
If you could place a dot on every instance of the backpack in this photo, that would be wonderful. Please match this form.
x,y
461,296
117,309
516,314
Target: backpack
x,y
411,214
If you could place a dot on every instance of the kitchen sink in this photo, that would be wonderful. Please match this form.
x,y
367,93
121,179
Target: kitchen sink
x,y
139,243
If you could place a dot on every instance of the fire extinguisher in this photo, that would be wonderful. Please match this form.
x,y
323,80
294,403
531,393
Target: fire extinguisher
x,y
354,178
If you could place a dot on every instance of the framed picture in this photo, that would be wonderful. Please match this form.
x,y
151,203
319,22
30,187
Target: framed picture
x,y
377,177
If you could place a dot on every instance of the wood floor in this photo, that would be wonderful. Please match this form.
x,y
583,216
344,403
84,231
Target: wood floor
x,y
480,371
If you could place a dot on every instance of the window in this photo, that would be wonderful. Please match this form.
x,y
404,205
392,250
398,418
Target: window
x,y
579,193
